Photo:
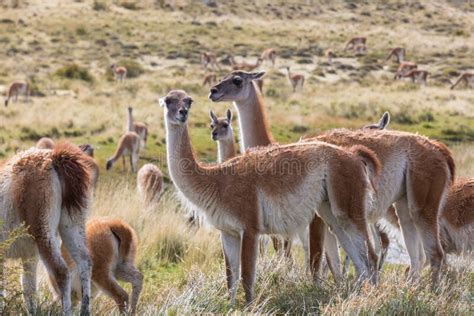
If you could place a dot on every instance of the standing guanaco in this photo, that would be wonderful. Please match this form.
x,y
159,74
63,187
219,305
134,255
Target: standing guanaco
x,y
295,79
15,89
120,73
398,54
128,145
355,41
417,75
209,79
467,77
208,58
138,127
404,68
269,54
112,244
150,184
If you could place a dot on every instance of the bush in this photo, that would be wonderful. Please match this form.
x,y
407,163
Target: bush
x,y
75,72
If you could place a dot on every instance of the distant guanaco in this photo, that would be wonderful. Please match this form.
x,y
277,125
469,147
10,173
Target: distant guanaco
x,y
138,127
295,79
355,41
45,143
404,68
398,54
467,77
209,79
150,183
208,58
15,89
360,49
269,54
417,75
330,55
112,244
120,73
243,65
128,144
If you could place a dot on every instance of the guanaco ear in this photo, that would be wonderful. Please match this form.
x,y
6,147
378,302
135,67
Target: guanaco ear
x,y
213,116
229,115
257,75
384,121
162,101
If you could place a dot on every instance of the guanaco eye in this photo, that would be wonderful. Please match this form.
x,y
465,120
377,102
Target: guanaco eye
x,y
237,81
225,125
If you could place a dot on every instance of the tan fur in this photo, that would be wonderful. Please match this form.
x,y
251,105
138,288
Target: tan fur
x,y
269,54
467,78
295,79
249,194
48,191
128,145
138,127
15,89
209,79
355,41
150,183
243,65
120,72
404,68
416,171
398,54
112,244
45,143
416,74
208,58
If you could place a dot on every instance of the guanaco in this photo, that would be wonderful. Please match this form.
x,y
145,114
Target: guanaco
x,y
397,54
120,73
48,191
269,54
417,75
243,65
128,145
295,79
360,49
404,68
260,193
209,79
355,41
45,143
112,244
15,89
409,162
138,127
208,58
467,78
150,184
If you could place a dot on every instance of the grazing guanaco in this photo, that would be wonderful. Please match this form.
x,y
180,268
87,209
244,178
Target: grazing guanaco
x,y
417,75
15,89
112,244
45,143
243,65
150,184
208,58
295,79
330,55
120,73
209,79
49,192
404,68
467,78
397,54
416,171
269,54
138,127
268,191
128,145
355,41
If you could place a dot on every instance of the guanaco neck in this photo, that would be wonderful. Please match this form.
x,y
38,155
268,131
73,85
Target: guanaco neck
x,y
225,149
254,130
130,122
197,183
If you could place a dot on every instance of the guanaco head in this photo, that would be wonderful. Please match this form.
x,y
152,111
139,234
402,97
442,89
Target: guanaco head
x,y
382,124
236,86
221,128
176,105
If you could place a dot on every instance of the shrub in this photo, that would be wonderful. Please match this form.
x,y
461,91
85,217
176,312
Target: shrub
x,y
75,72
